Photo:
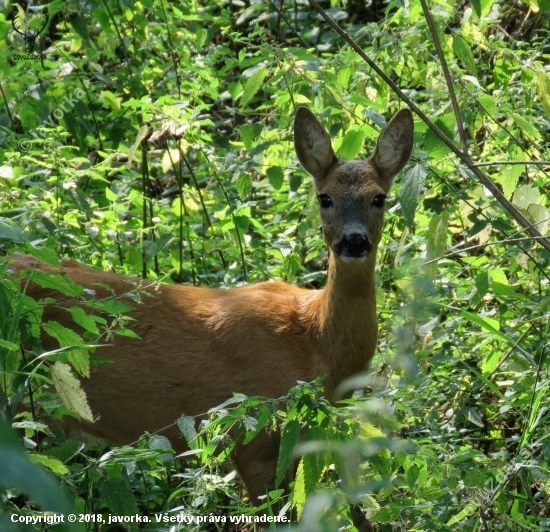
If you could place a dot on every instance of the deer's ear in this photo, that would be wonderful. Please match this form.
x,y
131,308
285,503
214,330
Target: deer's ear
x,y
312,144
394,146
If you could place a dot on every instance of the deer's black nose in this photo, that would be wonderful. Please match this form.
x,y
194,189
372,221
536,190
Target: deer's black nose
x,y
354,245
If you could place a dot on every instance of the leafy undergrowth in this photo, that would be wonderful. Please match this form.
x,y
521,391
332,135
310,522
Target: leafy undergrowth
x,y
155,139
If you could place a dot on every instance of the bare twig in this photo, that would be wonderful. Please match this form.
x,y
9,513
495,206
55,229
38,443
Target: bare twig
x,y
464,157
505,163
7,107
281,15
446,73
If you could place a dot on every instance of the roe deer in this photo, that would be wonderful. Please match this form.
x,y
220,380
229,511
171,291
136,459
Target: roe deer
x,y
199,345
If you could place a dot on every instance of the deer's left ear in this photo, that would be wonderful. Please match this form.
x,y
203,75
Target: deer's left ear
x,y
394,146
312,145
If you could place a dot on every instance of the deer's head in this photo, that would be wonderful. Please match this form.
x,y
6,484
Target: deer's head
x,y
352,193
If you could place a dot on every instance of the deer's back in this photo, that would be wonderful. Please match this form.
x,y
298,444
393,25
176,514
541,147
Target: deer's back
x,y
198,346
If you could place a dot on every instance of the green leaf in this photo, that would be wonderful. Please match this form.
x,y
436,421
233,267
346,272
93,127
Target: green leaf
x,y
32,425
81,318
352,144
504,68
486,6
187,426
128,333
11,231
102,17
235,89
151,249
467,511
276,176
242,222
433,144
110,195
484,324
437,238
463,51
535,414
540,216
289,439
70,391
247,135
200,38
79,358
142,134
509,178
8,345
477,7
79,25
291,265
66,450
344,76
243,184
542,86
413,184
525,126
260,148
113,306
482,287
526,195
51,463
157,442
262,418
433,493
299,492
474,417
412,476
252,85
386,514
47,255
17,471
294,182
314,461
491,361
57,282
110,100
116,494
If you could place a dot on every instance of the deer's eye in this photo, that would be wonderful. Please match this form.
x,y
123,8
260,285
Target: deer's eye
x,y
379,200
324,201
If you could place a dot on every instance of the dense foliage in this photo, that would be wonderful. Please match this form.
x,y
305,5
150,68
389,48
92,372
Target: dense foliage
x,y
154,138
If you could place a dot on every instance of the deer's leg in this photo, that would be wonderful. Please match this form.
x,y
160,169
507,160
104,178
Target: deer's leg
x,y
257,464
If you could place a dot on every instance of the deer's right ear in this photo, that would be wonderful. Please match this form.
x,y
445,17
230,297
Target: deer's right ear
x,y
312,144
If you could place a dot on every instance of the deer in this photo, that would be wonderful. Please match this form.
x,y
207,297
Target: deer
x,y
199,345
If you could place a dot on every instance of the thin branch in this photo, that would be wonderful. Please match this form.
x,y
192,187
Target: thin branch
x,y
172,50
229,204
7,107
287,22
446,73
464,157
477,246
120,38
206,216
497,163
144,186
183,211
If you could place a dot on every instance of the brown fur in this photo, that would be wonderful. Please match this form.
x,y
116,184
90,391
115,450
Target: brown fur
x,y
199,345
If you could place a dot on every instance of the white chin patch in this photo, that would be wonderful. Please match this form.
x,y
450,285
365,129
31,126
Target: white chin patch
x,y
348,260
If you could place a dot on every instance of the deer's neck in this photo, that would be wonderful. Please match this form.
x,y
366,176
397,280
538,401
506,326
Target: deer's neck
x,y
344,319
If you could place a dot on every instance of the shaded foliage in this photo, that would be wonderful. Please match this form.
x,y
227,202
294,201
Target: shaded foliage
x,y
154,138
